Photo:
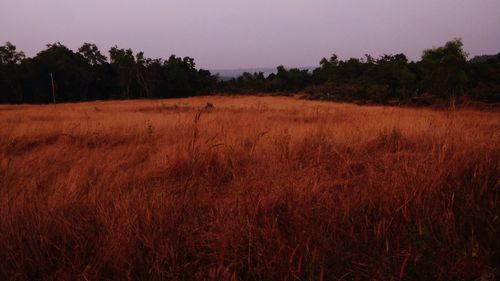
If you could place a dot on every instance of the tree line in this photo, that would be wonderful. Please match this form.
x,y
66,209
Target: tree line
x,y
443,72
89,75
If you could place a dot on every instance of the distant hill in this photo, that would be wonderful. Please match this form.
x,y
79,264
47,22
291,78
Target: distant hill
x,y
482,58
227,74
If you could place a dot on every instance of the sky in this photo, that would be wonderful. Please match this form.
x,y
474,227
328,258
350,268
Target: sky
x,y
230,34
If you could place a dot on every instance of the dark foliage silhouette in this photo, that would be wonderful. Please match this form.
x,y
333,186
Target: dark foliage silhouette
x,y
443,73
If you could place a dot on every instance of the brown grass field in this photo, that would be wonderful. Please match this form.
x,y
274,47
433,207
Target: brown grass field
x,y
253,188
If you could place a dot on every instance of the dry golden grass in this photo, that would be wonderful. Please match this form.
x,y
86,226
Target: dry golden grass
x,y
255,188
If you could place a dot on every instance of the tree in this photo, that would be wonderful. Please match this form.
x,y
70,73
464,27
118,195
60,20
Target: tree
x,y
181,76
9,55
394,72
10,74
123,63
351,70
444,69
69,70
92,54
483,75
326,71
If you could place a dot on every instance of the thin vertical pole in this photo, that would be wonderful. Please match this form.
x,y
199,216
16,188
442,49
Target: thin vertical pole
x,y
53,88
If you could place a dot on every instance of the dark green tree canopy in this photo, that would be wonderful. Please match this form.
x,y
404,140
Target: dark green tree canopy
x,y
444,69
9,55
92,54
87,74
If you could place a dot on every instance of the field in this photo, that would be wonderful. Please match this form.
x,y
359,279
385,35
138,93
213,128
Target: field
x,y
248,188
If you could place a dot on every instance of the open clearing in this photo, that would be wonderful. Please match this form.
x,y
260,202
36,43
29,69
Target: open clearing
x,y
250,188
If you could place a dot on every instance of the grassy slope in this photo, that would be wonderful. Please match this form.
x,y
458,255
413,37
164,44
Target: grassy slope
x,y
253,189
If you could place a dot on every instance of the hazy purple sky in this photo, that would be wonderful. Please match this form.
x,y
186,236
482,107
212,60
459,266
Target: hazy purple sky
x,y
253,33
